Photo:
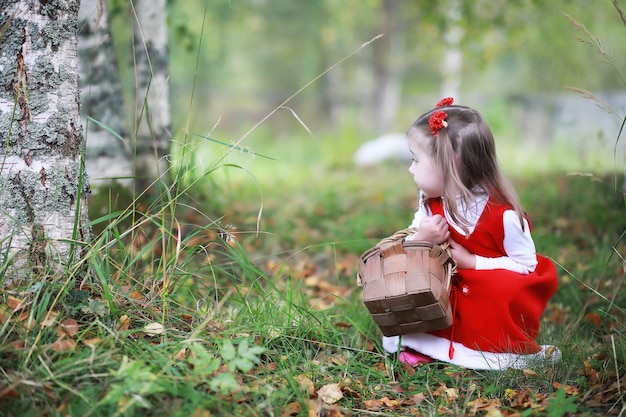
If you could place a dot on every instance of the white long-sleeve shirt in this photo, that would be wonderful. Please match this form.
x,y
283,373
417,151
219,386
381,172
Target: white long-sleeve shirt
x,y
518,243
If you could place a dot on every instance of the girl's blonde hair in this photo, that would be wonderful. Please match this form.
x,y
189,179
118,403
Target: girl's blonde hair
x,y
466,153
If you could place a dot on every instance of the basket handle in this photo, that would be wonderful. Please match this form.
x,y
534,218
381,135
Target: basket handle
x,y
399,235
449,264
393,245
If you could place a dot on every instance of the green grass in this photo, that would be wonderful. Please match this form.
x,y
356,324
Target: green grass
x,y
234,293
174,317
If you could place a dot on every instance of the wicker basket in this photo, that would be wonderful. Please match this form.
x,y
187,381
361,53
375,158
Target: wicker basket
x,y
406,285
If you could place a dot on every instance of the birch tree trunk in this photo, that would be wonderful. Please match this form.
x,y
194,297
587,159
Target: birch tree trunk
x,y
388,78
452,62
109,158
43,188
152,109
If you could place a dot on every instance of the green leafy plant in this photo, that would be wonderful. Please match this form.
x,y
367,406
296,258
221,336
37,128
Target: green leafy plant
x,y
234,357
132,382
562,404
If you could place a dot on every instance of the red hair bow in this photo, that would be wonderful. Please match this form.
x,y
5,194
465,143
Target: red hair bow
x,y
436,121
445,102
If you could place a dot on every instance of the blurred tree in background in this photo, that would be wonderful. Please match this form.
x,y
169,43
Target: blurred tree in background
x,y
126,102
257,52
151,110
109,153
240,59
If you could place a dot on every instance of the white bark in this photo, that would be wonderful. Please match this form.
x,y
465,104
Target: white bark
x,y
152,96
389,52
43,193
453,56
109,159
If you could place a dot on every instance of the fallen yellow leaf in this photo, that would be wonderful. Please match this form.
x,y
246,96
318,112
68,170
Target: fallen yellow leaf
x,y
63,344
373,405
452,394
50,318
389,402
14,303
330,393
123,323
154,329
305,384
181,354
68,327
136,295
494,413
292,409
91,342
5,313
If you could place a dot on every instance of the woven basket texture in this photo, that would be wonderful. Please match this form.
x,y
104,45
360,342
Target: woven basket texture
x,y
406,285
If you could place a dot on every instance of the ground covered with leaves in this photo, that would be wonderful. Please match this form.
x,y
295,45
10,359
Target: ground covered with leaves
x,y
178,311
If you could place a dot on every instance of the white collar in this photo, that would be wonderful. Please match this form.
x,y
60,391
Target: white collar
x,y
471,212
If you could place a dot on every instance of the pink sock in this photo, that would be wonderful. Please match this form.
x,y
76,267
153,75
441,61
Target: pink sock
x,y
412,358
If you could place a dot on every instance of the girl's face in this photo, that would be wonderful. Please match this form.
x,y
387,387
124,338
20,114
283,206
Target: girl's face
x,y
426,174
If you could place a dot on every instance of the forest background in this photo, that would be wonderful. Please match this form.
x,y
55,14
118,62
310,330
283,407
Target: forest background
x,y
513,61
270,100
520,64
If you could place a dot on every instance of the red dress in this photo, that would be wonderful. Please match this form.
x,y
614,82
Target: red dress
x,y
496,310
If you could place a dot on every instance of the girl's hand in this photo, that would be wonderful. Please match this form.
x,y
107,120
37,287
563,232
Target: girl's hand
x,y
433,229
464,259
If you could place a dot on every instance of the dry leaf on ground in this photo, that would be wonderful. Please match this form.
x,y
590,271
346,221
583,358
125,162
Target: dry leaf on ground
x,y
330,393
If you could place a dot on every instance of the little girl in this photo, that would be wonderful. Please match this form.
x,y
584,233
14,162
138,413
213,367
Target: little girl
x,y
502,286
